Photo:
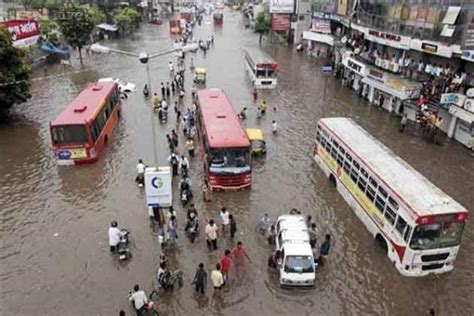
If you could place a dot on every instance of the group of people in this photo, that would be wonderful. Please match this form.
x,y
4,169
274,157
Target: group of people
x,y
231,261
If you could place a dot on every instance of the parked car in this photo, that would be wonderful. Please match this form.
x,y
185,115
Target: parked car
x,y
123,85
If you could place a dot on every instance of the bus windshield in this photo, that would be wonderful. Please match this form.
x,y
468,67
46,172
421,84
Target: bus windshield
x,y
439,235
229,160
67,134
299,264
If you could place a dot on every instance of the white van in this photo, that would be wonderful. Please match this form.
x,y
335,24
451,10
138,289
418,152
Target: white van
x,y
296,235
290,221
297,267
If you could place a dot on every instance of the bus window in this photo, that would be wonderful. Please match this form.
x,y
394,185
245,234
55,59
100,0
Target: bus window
x,y
382,192
401,225
70,134
393,203
343,152
354,175
340,160
373,183
370,193
380,203
347,167
260,73
334,152
318,137
362,183
390,214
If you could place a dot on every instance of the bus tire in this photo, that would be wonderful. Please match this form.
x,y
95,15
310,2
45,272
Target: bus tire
x,y
381,241
119,114
106,140
332,179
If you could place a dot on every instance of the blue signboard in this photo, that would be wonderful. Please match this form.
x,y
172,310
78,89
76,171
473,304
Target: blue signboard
x,y
327,70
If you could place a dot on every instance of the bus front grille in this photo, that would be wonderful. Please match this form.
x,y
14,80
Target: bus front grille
x,y
432,266
436,257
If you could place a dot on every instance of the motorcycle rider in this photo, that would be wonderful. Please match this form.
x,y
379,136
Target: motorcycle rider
x,y
185,186
192,218
140,179
114,236
174,161
162,276
184,165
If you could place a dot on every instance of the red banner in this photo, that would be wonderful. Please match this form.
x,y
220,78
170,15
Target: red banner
x,y
20,29
24,32
281,22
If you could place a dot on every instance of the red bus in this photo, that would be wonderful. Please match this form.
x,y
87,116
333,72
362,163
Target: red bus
x,y
225,148
218,17
81,131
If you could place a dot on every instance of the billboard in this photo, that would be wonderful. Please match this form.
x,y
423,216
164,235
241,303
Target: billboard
x,y
24,32
282,6
158,187
281,22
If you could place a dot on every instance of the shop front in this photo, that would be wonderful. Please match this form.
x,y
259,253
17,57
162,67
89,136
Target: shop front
x,y
354,71
389,93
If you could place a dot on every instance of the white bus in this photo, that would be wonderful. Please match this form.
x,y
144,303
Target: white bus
x,y
261,68
420,225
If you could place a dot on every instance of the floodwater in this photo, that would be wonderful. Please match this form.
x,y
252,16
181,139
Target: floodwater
x,y
54,256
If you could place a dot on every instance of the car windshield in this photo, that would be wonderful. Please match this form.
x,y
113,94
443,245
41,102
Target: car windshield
x,y
229,161
67,134
257,144
439,235
299,264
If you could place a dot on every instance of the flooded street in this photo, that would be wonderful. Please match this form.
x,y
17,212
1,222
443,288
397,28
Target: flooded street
x,y
73,273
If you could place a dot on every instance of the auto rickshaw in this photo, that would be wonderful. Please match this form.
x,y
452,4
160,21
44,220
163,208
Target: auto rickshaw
x,y
257,141
200,75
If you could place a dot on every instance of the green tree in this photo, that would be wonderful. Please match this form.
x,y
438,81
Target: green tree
x,y
126,19
98,16
14,74
261,26
76,24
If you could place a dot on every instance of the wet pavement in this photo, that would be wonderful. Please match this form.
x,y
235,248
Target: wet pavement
x,y
73,273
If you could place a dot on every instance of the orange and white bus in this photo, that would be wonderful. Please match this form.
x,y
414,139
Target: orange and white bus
x,y
225,148
80,133
420,225
261,68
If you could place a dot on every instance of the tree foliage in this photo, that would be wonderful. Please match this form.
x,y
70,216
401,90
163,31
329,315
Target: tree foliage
x,y
76,23
14,73
98,16
126,19
261,26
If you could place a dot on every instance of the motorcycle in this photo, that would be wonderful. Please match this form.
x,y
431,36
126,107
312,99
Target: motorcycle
x,y
299,47
192,229
123,250
140,180
186,195
163,115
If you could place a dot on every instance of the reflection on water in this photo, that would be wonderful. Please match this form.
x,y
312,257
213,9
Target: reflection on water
x,y
54,220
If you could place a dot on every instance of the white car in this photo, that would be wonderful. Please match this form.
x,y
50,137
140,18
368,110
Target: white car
x,y
123,85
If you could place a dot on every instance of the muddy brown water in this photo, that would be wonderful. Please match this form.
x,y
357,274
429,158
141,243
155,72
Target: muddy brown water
x,y
73,273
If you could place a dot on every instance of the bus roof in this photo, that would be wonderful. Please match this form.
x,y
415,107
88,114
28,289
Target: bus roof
x,y
416,191
223,128
259,57
84,106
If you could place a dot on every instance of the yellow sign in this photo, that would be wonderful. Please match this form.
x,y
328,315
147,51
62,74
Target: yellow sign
x,y
78,153
395,84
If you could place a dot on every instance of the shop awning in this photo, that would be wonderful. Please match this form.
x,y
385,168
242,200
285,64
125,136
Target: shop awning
x,y
402,95
318,37
107,27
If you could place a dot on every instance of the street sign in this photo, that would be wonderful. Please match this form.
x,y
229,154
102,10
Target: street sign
x,y
158,187
327,70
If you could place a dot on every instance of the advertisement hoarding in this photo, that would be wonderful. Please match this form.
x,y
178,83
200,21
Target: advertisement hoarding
x,y
24,32
282,6
158,187
281,22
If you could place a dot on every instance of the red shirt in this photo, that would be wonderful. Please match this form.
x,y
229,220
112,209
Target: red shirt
x,y
225,265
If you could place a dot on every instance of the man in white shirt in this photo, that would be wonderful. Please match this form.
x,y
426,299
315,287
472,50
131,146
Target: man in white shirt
x,y
170,66
184,164
140,179
139,300
225,220
114,236
211,235
217,277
